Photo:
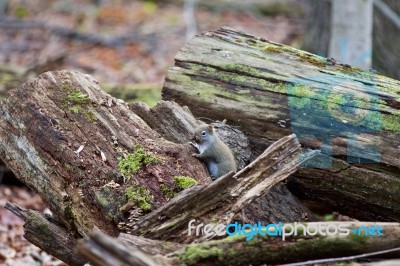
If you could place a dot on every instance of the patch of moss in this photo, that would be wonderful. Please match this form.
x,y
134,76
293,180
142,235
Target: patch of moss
x,y
299,96
193,254
312,59
89,114
238,68
329,217
180,183
273,48
41,226
75,109
75,100
183,182
391,122
167,191
132,162
140,196
76,97
102,198
110,201
349,69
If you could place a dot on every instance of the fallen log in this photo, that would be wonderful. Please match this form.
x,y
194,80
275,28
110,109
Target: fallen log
x,y
235,250
47,235
98,165
224,200
91,159
269,90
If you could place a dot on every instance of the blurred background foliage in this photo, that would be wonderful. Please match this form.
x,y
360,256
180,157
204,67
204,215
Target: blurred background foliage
x,y
126,45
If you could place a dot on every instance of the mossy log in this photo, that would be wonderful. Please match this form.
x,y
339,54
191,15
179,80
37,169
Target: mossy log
x,y
226,199
90,158
269,90
235,250
99,165
45,233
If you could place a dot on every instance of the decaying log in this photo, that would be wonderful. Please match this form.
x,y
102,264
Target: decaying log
x,y
177,124
221,201
47,235
269,90
260,250
64,137
101,249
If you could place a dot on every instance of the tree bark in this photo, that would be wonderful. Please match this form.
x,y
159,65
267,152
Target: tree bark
x,y
269,90
48,235
63,137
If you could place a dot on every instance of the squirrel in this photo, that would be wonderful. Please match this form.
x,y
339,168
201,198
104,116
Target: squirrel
x,y
216,154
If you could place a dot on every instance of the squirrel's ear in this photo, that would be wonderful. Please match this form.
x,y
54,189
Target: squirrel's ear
x,y
210,128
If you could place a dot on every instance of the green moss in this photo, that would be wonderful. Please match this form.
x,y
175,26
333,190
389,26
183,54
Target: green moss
x,y
21,12
180,183
89,114
167,191
299,96
272,49
40,226
183,182
238,68
132,162
76,97
102,198
317,61
140,196
350,69
329,217
193,254
303,56
75,109
391,122
75,100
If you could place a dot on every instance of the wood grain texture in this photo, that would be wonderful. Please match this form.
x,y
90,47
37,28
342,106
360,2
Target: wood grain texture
x,y
269,90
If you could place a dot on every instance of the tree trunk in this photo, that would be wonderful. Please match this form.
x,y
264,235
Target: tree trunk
x,y
386,29
351,32
269,90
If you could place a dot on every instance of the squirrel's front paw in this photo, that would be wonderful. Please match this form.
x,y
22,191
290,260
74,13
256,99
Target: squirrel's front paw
x,y
194,144
195,155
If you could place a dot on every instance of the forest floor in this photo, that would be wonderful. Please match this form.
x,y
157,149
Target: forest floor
x,y
123,44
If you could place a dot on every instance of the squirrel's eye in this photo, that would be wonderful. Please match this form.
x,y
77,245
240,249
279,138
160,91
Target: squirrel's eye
x,y
203,133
